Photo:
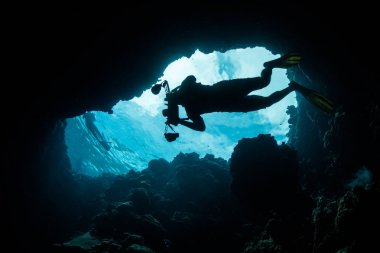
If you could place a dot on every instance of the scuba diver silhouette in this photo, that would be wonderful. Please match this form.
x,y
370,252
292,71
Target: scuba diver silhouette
x,y
90,124
229,96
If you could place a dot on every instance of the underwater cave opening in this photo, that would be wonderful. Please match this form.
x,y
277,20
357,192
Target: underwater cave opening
x,y
132,135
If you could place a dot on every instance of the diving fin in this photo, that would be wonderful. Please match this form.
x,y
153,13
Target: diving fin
x,y
320,101
284,61
314,98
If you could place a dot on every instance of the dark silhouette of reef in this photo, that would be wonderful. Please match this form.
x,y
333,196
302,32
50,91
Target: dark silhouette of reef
x,y
252,203
67,60
181,206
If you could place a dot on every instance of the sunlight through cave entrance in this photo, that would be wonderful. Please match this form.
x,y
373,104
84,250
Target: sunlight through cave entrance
x,y
132,136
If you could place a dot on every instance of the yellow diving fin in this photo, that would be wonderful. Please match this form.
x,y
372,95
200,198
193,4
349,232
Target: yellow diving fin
x,y
314,97
284,61
320,101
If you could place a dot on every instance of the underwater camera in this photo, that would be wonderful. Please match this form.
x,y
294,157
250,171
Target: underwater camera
x,y
171,136
170,113
157,87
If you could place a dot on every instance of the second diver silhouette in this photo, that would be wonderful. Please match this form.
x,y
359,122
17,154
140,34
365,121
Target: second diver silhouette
x,y
230,96
89,120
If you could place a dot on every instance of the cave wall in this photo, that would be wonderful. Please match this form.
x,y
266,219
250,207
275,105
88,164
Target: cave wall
x,y
72,59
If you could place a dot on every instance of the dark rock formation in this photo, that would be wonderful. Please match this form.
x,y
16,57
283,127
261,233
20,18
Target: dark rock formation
x,y
265,180
177,212
348,222
264,174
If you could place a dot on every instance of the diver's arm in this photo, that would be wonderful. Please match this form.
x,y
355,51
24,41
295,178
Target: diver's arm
x,y
196,123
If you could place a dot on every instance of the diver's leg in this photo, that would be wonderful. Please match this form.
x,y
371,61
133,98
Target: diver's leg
x,y
277,96
243,86
265,78
254,102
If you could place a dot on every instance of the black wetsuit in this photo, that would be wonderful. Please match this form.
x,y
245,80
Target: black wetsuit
x,y
223,96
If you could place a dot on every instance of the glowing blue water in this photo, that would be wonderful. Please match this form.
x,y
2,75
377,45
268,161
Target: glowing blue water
x,y
135,129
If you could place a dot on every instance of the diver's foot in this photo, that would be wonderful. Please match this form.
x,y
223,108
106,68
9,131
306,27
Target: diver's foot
x,y
313,97
284,61
298,87
294,85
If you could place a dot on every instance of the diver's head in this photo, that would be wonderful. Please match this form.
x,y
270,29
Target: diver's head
x,y
189,80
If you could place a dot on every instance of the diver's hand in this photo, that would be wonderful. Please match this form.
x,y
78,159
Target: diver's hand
x,y
174,121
